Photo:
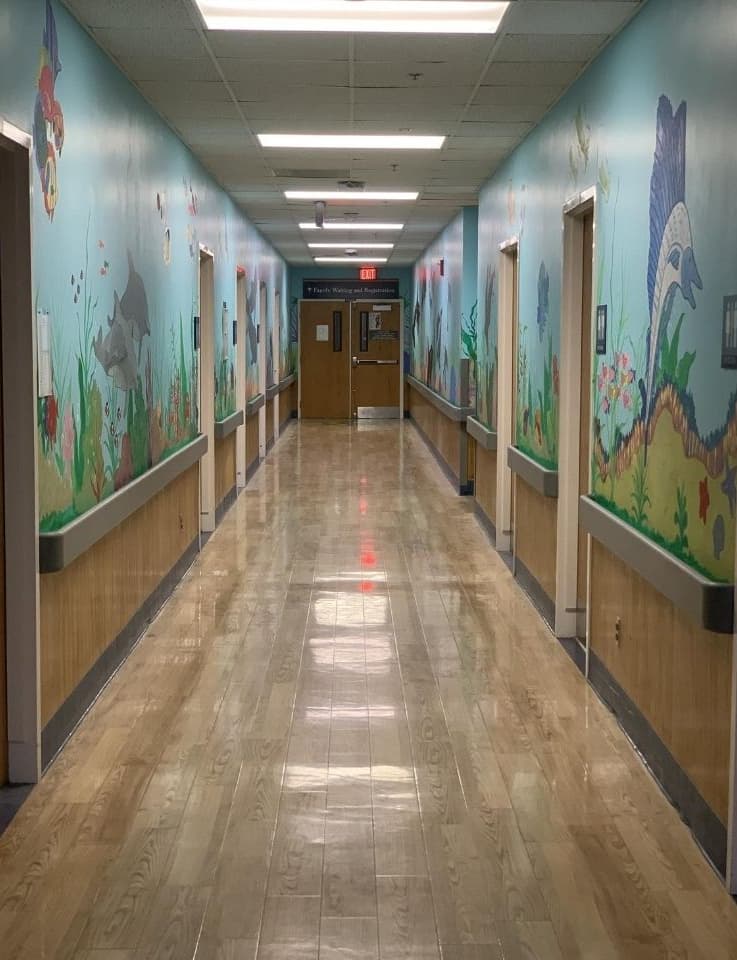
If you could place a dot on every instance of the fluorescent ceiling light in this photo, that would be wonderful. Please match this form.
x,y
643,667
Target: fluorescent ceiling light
x,y
352,195
352,246
349,141
358,260
346,16
347,225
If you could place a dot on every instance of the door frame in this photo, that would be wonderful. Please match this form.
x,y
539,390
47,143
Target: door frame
x,y
400,303
19,379
731,871
566,580
263,307
207,391
240,373
276,351
508,250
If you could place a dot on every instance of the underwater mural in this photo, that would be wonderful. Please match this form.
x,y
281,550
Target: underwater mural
x,y
48,116
115,267
442,325
663,382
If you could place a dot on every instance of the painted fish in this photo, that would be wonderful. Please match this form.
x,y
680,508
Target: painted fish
x,y
134,305
116,351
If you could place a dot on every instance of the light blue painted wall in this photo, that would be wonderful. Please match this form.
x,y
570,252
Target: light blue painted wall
x,y
444,305
130,209
604,133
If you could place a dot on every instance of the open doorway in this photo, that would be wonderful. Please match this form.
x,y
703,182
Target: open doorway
x,y
19,582
507,351
572,586
206,379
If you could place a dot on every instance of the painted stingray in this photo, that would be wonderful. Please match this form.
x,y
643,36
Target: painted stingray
x,y
671,264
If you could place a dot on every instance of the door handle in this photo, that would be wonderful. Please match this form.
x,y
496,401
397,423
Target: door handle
x,y
375,363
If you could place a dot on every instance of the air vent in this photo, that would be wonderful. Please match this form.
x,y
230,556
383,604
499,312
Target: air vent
x,y
352,184
298,174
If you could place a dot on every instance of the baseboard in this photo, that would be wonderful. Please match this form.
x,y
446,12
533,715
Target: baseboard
x,y
540,600
452,478
56,732
252,468
269,444
486,523
575,650
225,504
708,830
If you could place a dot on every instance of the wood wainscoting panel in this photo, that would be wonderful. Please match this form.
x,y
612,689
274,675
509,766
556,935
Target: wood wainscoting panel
x,y
86,605
269,422
535,534
225,473
485,481
443,434
676,673
251,441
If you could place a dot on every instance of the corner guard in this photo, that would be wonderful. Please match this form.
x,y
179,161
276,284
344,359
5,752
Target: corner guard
x,y
58,548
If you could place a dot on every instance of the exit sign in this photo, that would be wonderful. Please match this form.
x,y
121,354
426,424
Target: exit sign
x,y
368,273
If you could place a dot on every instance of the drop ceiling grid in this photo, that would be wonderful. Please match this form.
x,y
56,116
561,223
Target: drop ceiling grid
x,y
306,82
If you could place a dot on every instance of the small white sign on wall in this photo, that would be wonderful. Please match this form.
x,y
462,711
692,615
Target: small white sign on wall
x,y
43,339
322,332
382,307
374,321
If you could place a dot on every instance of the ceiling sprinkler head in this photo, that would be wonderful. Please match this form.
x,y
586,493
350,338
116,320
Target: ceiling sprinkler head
x,y
319,212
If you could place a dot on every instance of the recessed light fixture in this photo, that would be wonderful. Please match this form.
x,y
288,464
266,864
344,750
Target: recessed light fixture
x,y
357,195
349,141
352,246
346,16
348,225
353,259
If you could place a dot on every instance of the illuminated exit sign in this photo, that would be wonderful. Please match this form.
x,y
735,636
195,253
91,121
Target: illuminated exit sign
x,y
368,273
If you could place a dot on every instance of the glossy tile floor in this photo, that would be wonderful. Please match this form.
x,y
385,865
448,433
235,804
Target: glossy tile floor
x,y
349,735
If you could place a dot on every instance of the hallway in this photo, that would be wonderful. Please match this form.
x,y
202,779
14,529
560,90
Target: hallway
x,y
349,735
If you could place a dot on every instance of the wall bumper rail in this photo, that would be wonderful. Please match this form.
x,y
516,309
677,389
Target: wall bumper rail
x,y
272,391
254,404
483,435
544,481
223,428
59,548
287,382
448,409
708,603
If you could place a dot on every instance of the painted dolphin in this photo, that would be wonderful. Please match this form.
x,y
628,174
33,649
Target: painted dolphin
x,y
671,264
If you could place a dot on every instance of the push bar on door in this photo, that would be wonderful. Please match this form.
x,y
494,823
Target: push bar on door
x,y
376,363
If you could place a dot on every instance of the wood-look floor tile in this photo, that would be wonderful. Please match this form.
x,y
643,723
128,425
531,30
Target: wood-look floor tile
x,y
352,938
291,766
406,922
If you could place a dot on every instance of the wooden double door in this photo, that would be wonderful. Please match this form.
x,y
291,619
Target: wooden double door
x,y
350,359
